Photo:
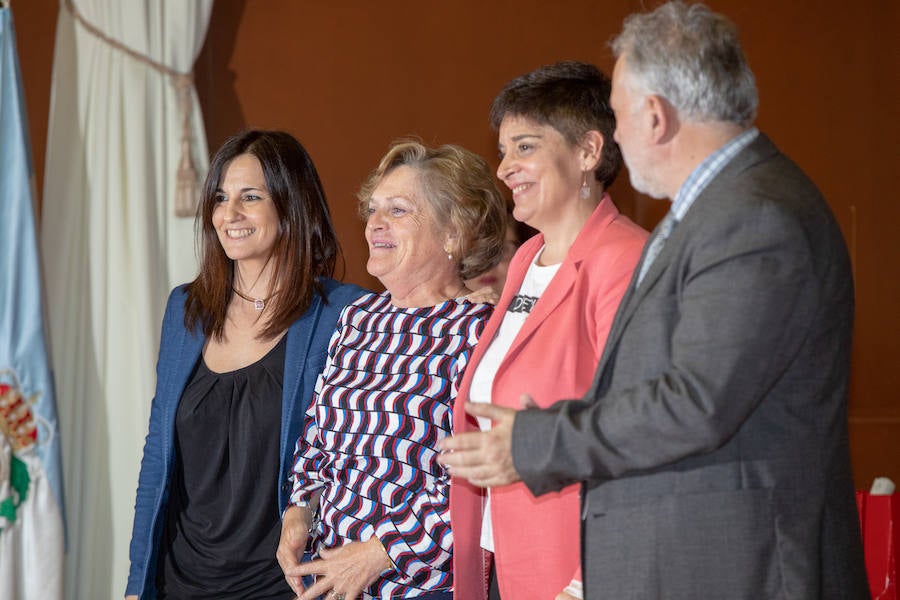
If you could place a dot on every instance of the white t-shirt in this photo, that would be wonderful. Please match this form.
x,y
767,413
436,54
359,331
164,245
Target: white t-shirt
x,y
536,281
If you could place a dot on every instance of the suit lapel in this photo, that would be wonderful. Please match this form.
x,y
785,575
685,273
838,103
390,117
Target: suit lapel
x,y
760,149
296,353
626,308
189,347
180,363
517,269
564,280
559,289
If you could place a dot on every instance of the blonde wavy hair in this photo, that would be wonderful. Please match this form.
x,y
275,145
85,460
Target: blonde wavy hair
x,y
460,190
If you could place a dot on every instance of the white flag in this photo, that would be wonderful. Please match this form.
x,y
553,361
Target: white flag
x,y
31,518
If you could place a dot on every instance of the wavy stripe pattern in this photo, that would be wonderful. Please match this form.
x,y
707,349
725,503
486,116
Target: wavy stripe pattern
x,y
370,440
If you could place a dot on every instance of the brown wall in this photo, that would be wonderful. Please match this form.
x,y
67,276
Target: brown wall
x,y
348,77
35,24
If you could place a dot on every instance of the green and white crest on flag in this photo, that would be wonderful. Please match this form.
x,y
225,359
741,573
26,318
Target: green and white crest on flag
x,y
14,482
18,434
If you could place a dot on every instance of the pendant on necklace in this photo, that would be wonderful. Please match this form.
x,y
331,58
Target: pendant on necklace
x,y
258,303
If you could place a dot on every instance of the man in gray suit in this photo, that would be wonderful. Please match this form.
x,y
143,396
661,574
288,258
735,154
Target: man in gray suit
x,y
713,442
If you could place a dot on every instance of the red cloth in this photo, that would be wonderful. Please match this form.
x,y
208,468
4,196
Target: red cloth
x,y
879,518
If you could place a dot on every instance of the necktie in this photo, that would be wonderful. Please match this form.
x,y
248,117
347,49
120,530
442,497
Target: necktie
x,y
656,244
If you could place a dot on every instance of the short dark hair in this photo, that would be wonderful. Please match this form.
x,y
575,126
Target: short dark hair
x,y
573,98
305,250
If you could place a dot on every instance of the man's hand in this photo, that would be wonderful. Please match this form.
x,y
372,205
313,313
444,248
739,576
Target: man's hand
x,y
484,458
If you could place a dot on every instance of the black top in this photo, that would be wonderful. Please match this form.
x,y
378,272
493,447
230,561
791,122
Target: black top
x,y
222,523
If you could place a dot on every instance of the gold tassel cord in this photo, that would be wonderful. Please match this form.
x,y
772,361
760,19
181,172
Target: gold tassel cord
x,y
187,187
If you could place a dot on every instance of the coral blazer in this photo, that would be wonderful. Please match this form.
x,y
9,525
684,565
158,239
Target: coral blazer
x,y
554,355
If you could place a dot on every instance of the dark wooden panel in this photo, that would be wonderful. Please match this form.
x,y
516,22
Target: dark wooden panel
x,y
875,445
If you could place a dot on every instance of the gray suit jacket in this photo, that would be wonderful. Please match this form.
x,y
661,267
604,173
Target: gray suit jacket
x,y
713,442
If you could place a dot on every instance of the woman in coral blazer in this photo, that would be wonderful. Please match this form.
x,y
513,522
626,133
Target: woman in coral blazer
x,y
549,328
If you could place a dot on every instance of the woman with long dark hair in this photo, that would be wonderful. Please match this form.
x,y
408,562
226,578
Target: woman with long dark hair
x,y
240,351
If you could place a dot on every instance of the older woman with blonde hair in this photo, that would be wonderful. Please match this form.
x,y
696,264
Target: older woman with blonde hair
x,y
368,491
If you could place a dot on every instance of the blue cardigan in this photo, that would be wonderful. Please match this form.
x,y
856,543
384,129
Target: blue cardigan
x,y
307,347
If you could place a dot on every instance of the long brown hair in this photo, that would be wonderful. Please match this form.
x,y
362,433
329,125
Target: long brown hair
x,y
306,249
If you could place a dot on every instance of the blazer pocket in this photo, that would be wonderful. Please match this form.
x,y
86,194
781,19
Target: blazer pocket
x,y
710,546
720,545
620,551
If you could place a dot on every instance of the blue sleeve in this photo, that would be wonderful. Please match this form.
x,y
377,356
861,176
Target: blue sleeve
x,y
151,482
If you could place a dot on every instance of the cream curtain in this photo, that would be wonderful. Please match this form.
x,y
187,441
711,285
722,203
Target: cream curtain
x,y
112,248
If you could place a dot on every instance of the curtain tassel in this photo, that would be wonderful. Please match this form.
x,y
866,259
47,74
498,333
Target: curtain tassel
x,y
187,187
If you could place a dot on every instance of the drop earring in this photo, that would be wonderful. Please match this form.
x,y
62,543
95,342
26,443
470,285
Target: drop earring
x,y
585,191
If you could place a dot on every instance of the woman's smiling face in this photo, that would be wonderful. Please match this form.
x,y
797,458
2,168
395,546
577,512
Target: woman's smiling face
x,y
540,167
244,216
406,245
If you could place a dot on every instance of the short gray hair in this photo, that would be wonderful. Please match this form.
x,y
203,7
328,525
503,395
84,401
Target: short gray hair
x,y
690,56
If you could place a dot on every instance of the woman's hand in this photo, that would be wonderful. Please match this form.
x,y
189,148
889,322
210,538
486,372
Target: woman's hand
x,y
294,534
344,572
573,591
485,295
132,597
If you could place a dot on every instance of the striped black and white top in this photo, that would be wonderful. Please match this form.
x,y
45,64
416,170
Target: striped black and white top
x,y
370,441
